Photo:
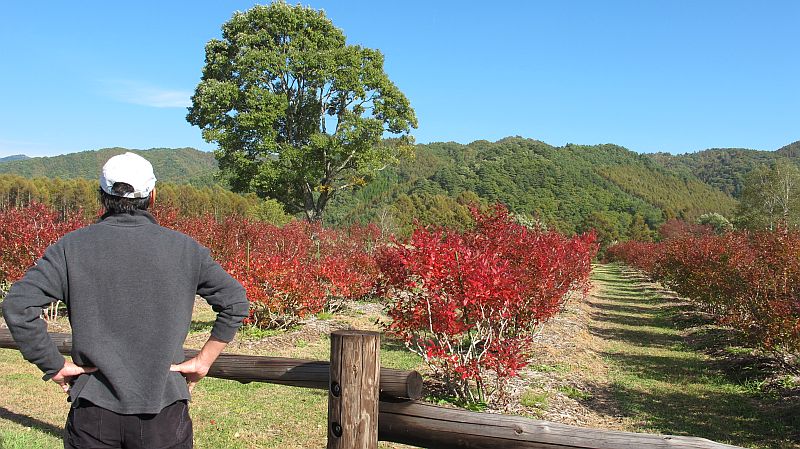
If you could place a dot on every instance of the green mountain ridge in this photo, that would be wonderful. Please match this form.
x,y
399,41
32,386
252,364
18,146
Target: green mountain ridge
x,y
571,188
791,151
725,168
178,165
13,157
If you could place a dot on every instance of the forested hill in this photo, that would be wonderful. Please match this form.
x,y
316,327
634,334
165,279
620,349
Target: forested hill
x,y
180,166
572,188
791,151
725,168
15,157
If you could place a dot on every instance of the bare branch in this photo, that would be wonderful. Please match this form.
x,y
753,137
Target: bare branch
x,y
344,186
346,161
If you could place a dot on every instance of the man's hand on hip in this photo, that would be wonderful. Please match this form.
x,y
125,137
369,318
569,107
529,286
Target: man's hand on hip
x,y
197,367
193,370
69,372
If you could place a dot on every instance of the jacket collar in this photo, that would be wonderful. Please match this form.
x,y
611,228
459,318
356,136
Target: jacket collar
x,y
137,218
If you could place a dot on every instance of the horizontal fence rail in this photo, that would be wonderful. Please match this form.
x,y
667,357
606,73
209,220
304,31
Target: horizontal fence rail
x,y
433,427
276,370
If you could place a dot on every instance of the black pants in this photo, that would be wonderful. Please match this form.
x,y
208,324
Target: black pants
x,y
92,427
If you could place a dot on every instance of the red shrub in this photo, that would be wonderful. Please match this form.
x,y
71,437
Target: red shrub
x,y
469,302
26,232
288,271
749,281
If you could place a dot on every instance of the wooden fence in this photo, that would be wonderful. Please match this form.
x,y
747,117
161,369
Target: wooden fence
x,y
367,404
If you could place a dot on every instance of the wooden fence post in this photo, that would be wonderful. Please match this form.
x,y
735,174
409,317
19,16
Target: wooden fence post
x,y
353,394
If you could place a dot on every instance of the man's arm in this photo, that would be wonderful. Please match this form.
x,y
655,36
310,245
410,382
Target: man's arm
x,y
227,297
197,367
42,284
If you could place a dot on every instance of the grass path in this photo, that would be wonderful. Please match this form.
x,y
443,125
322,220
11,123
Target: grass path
x,y
662,378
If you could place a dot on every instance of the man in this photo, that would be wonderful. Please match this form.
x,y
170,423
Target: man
x,y
129,286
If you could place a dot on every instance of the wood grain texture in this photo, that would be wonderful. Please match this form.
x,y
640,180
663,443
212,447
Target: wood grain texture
x,y
436,427
353,413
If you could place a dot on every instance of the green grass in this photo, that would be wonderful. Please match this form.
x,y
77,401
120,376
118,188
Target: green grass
x,y
575,393
255,333
667,386
556,368
537,400
25,438
196,327
324,315
395,355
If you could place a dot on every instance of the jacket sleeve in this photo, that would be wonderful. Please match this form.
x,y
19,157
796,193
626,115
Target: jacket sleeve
x,y
226,296
44,283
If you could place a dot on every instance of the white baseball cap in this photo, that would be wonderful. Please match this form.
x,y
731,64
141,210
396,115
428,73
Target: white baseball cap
x,y
129,168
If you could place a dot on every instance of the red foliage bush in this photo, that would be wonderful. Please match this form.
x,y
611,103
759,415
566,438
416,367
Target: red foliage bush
x,y
26,232
641,255
675,228
470,302
288,271
749,281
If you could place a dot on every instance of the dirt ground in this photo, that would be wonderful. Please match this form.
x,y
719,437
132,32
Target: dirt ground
x,y
568,372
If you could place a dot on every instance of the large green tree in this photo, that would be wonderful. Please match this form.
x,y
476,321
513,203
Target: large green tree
x,y
298,114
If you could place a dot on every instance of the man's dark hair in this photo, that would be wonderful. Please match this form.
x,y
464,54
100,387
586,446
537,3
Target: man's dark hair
x,y
118,204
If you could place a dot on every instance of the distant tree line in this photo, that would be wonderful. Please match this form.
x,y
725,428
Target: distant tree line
x,y
65,195
621,194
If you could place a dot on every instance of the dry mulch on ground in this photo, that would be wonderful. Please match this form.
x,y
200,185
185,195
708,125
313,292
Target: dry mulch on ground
x,y
568,373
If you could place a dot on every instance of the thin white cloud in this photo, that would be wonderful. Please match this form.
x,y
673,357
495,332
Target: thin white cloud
x,y
10,147
143,94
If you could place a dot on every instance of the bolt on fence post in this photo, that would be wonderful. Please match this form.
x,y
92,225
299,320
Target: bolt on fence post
x,y
353,390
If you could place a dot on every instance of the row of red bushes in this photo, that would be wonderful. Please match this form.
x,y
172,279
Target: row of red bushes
x,y
468,302
288,271
747,280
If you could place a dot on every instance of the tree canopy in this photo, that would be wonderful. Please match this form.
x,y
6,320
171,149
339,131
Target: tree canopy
x,y
297,113
771,198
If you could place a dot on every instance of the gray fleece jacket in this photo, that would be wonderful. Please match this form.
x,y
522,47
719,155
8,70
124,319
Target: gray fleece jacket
x,y
129,286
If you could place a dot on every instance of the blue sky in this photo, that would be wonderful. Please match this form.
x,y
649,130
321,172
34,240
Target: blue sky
x,y
674,76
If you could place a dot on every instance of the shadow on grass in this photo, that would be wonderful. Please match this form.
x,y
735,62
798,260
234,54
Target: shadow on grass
x,y
668,368
694,384
710,339
620,308
644,303
635,337
34,423
626,286
626,298
392,344
730,354
729,417
620,317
